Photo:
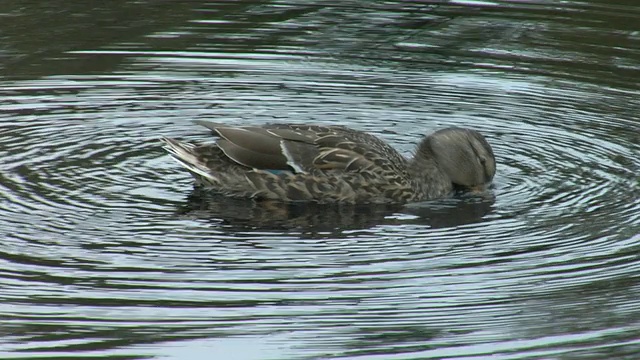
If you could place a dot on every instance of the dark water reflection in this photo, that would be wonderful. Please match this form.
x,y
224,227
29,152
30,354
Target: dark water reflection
x,y
248,214
107,253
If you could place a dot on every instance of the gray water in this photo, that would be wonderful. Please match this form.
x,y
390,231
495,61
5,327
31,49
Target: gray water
x,y
106,253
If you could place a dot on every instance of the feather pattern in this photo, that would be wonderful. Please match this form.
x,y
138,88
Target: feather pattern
x,y
290,162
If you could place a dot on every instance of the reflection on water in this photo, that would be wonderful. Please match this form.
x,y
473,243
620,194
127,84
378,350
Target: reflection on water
x,y
336,218
107,252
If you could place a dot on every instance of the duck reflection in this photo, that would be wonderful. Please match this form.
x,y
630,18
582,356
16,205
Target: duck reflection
x,y
460,209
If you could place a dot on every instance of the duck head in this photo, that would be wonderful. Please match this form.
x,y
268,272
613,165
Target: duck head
x,y
464,155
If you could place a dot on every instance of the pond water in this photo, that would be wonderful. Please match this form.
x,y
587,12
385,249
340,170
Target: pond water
x,y
106,253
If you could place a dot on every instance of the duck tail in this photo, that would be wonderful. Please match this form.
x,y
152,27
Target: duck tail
x,y
186,155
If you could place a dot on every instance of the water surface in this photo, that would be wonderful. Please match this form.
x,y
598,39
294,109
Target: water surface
x,y
107,253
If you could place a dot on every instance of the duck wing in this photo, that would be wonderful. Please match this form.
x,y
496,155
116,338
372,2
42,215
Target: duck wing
x,y
305,148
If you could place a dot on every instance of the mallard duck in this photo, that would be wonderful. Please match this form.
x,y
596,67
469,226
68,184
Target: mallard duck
x,y
325,164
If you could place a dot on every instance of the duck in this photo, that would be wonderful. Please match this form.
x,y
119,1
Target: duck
x,y
332,164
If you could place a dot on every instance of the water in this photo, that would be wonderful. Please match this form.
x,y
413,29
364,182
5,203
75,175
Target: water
x,y
106,253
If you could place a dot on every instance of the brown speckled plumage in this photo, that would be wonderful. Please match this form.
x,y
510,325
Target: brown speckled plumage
x,y
291,162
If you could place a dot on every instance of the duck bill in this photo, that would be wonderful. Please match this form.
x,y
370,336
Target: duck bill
x,y
478,188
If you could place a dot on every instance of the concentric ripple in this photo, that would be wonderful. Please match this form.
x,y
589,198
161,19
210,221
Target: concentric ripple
x,y
107,252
